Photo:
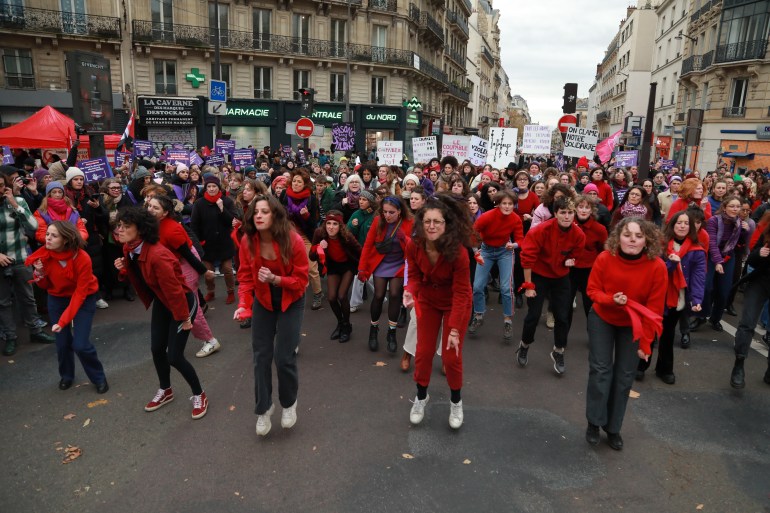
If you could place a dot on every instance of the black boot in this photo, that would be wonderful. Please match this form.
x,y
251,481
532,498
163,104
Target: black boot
x,y
337,331
373,343
685,342
738,376
402,317
345,332
392,344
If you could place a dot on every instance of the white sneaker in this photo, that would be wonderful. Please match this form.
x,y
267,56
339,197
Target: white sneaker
x,y
263,421
289,416
549,320
455,415
353,309
212,346
101,304
574,303
418,410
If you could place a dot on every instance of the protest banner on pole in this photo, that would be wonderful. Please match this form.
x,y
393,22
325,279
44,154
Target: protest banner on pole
x,y
215,160
243,157
224,146
424,149
502,146
390,152
456,145
7,155
477,153
626,158
536,139
580,142
123,157
178,157
343,136
143,148
95,169
667,164
195,159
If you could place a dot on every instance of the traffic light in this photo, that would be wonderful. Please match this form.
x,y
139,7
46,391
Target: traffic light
x,y
570,98
306,98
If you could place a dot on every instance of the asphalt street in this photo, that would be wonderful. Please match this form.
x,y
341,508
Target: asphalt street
x,y
698,445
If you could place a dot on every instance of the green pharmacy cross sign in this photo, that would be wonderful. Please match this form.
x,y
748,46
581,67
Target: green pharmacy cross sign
x,y
195,77
413,104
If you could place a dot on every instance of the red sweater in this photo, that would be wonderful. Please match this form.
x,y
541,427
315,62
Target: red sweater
x,y
527,205
42,226
294,275
75,281
444,286
371,258
547,246
596,236
682,204
496,229
605,194
173,235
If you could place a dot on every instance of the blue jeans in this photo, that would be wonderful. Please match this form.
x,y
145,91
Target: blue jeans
x,y
504,259
74,339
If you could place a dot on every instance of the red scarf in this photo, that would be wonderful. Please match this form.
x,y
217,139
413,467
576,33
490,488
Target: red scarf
x,y
645,323
133,245
299,196
677,280
50,258
214,198
58,209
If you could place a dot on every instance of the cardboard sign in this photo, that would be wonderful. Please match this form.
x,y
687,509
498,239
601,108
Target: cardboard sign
x,y
215,160
124,157
143,148
343,136
390,153
536,139
224,146
456,146
95,169
195,159
424,149
502,146
243,157
580,142
626,158
477,153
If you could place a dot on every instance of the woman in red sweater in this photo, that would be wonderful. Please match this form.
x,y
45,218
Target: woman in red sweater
x,y
338,252
525,208
606,196
57,207
626,317
596,235
691,193
274,270
63,269
439,289
501,231
155,273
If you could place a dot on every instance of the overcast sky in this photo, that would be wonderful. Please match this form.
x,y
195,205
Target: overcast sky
x,y
546,43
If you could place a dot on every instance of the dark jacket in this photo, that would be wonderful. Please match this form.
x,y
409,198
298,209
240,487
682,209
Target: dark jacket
x,y
694,270
305,226
213,228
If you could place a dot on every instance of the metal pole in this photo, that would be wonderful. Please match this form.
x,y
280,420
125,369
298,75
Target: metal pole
x,y
217,72
644,159
346,116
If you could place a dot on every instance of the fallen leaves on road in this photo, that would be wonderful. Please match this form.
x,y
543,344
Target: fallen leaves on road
x,y
633,394
466,462
407,456
699,507
69,416
11,361
87,422
380,364
100,402
71,453
232,407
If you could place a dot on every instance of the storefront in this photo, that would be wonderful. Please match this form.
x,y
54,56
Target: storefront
x,y
381,124
324,115
168,120
662,146
249,122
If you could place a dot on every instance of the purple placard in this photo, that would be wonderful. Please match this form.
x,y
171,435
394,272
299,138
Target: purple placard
x,y
626,158
95,169
343,136
7,155
222,146
178,157
243,157
667,164
143,148
215,160
123,157
177,146
195,159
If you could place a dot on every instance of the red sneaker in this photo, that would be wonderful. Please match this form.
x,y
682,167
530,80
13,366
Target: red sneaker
x,y
200,405
230,298
209,296
161,397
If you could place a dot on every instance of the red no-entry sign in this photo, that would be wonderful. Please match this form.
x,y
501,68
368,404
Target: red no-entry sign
x,y
566,121
304,128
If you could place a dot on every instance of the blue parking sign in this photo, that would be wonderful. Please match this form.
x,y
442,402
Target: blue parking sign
x,y
217,91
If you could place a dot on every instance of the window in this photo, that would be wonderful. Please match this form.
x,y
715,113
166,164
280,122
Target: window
x,y
378,90
301,81
222,24
162,20
73,16
338,38
17,66
300,31
737,102
663,26
261,28
165,77
263,83
379,42
224,74
337,87
742,24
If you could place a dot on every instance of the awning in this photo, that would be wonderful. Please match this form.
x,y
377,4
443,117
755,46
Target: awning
x,y
738,155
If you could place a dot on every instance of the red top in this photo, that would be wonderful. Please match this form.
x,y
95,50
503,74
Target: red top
x,y
371,258
293,275
173,235
703,237
682,204
605,194
445,286
496,229
547,246
527,205
42,227
76,280
335,251
596,236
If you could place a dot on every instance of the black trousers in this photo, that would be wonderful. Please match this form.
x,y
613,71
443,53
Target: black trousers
x,y
578,279
168,341
557,290
665,362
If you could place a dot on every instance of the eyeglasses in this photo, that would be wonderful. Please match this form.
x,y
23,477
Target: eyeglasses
x,y
433,222
117,188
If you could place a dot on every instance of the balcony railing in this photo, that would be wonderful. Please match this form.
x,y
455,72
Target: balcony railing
x,y
734,112
19,81
378,99
703,10
455,56
429,23
459,93
498,80
384,5
432,71
680,116
467,5
414,14
457,19
354,3
743,51
697,62
604,115
339,97
28,19
487,55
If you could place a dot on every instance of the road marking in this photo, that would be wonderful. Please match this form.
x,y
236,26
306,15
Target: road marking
x,y
756,344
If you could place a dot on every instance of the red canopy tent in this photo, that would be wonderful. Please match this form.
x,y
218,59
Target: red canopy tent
x,y
48,128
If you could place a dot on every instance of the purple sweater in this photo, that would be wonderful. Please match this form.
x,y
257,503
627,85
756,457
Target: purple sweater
x,y
719,249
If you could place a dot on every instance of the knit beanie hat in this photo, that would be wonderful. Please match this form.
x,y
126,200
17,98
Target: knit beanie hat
x,y
57,170
583,162
412,177
39,174
209,178
53,185
72,173
280,180
181,167
591,187
141,172
368,195
675,178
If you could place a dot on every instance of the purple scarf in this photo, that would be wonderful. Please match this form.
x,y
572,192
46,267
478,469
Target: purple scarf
x,y
293,206
629,210
353,199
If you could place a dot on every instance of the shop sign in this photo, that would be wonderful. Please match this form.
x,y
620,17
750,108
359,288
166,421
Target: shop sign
x,y
254,112
380,118
165,111
412,118
321,115
763,132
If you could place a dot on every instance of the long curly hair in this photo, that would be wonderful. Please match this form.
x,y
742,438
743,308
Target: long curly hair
x,y
146,224
458,229
653,238
280,228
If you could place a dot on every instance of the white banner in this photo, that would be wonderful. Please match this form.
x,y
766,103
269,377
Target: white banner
x,y
580,142
477,152
390,153
502,146
424,149
536,139
456,145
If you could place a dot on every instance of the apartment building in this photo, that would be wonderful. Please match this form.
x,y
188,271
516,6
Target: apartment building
x,y
484,72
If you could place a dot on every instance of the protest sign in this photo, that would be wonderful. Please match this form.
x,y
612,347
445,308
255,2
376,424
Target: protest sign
x,y
580,142
424,149
123,157
456,145
215,160
222,146
626,158
343,136
7,155
178,157
390,152
143,148
243,157
195,159
95,169
477,153
536,139
502,146
667,164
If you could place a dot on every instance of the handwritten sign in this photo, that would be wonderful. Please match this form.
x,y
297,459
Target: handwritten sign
x,y
178,157
224,146
243,157
343,136
390,152
477,153
502,146
424,149
143,148
580,142
455,145
215,160
195,159
95,169
536,139
626,158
